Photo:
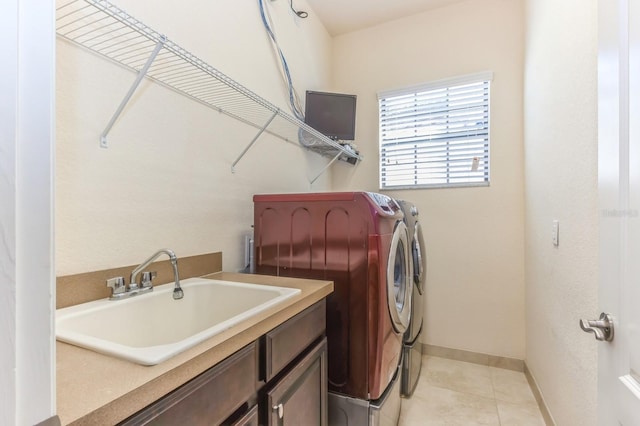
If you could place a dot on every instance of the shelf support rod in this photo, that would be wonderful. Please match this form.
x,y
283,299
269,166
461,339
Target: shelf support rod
x,y
255,138
325,168
132,89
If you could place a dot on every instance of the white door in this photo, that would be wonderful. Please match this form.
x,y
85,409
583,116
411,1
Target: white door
x,y
619,193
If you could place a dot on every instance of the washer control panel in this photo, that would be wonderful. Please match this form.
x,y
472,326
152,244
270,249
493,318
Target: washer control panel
x,y
386,203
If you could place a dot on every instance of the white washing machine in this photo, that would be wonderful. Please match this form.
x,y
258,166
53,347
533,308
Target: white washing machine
x,y
412,346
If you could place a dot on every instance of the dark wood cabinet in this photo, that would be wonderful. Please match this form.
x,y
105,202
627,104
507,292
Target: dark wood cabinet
x,y
215,394
300,396
287,341
286,368
249,419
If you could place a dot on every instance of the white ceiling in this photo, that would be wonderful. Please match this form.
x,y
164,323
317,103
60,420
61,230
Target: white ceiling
x,y
343,16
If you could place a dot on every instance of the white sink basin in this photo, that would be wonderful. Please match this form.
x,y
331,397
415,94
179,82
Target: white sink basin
x,y
150,328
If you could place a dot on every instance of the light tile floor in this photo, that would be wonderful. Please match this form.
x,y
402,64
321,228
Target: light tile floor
x,y
460,393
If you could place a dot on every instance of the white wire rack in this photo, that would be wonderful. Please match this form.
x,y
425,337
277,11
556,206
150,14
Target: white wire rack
x,y
109,31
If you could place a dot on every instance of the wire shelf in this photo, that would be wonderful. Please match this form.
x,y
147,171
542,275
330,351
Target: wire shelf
x,y
112,33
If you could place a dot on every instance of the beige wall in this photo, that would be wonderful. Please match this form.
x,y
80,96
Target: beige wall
x,y
474,236
165,180
561,183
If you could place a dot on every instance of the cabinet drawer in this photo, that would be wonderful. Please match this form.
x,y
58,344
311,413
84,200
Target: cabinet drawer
x,y
209,398
249,419
288,340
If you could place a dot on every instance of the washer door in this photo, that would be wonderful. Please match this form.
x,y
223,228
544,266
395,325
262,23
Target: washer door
x,y
399,279
419,258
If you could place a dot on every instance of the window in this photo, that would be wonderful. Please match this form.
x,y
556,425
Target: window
x,y
435,134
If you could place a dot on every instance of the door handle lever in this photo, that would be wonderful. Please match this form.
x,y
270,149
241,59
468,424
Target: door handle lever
x,y
602,327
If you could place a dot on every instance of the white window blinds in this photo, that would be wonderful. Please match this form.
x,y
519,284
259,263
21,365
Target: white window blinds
x,y
436,134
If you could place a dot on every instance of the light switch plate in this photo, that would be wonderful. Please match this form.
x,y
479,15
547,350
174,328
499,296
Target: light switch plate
x,y
556,233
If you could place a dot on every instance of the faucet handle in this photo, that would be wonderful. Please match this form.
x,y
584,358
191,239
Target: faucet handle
x,y
147,278
117,285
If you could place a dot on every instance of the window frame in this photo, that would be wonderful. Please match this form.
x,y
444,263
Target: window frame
x,y
481,77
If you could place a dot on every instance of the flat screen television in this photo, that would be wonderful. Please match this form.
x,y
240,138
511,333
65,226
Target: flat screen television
x,y
332,114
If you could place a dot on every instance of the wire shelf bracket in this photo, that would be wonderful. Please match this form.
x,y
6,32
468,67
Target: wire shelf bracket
x,y
324,169
111,32
255,138
127,97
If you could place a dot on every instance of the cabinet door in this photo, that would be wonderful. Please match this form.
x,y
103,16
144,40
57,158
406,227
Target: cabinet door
x,y
300,397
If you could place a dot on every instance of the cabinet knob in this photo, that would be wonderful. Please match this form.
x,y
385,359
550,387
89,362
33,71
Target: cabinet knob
x,y
280,409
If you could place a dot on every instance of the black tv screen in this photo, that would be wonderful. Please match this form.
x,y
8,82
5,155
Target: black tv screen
x,y
332,114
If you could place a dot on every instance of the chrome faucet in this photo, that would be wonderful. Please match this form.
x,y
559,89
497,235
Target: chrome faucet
x,y
133,282
119,290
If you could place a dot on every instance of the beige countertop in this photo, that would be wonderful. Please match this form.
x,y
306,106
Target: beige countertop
x,y
98,389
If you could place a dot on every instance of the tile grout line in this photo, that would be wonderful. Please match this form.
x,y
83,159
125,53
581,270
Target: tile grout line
x,y
491,399
463,392
511,364
495,398
475,395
